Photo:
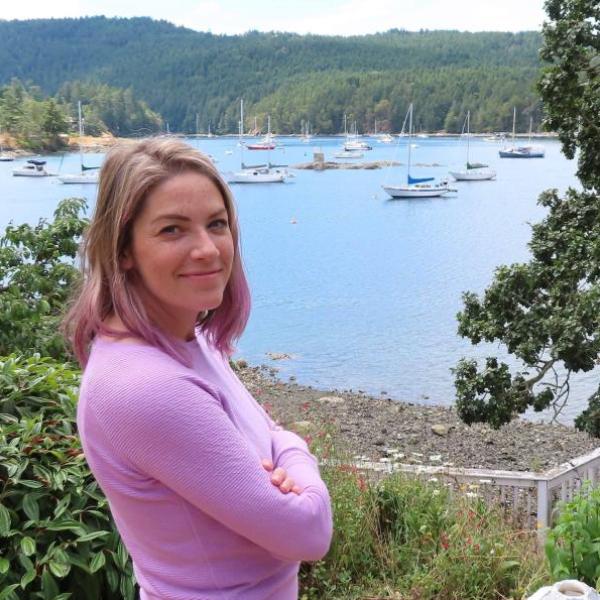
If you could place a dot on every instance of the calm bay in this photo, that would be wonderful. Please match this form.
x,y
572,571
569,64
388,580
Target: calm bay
x,y
361,291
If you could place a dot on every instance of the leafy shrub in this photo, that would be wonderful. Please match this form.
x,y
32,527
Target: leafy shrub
x,y
36,278
573,544
57,539
404,537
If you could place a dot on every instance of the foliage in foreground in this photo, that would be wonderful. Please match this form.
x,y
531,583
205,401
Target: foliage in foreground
x,y
573,544
546,312
409,538
37,276
57,539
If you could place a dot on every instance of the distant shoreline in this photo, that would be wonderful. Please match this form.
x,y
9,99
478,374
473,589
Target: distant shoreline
x,y
102,143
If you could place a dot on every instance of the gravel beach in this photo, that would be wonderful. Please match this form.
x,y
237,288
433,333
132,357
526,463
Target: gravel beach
x,y
374,428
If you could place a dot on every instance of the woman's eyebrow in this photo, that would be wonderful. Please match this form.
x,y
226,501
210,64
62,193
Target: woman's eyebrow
x,y
171,216
180,217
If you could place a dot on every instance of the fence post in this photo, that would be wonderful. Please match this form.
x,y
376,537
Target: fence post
x,y
543,509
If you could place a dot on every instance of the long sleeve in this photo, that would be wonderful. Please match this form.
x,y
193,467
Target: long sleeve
x,y
180,434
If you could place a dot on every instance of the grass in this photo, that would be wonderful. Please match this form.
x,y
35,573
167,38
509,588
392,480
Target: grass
x,y
403,537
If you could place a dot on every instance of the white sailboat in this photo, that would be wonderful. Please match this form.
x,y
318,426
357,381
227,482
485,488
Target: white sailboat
x,y
306,135
472,171
384,138
266,173
86,174
416,187
267,143
523,151
352,142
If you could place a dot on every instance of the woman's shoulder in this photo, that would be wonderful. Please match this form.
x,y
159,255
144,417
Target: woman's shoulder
x,y
120,370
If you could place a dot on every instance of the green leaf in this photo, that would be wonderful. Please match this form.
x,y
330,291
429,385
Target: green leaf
x,y
4,521
122,555
59,569
30,507
26,563
31,484
49,586
92,536
27,578
97,562
62,506
127,588
113,578
28,546
4,565
8,591
67,525
507,565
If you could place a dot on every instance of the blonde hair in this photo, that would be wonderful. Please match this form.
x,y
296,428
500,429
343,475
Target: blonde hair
x,y
128,174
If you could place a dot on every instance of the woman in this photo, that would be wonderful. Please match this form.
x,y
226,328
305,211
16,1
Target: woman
x,y
212,499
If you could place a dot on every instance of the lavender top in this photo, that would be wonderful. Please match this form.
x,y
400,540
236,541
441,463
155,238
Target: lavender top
x,y
177,452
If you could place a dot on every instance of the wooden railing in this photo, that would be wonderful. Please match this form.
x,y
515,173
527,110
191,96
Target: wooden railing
x,y
529,498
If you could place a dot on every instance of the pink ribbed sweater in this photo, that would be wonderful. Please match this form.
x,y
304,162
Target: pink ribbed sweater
x,y
177,452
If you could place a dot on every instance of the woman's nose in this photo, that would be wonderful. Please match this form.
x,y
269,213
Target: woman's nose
x,y
203,246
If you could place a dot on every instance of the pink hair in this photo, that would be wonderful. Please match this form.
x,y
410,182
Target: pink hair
x,y
129,173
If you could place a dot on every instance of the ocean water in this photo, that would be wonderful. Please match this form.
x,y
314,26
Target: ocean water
x,y
361,291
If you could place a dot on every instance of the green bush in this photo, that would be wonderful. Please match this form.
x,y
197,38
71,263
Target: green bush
x,y
37,276
573,543
57,539
404,537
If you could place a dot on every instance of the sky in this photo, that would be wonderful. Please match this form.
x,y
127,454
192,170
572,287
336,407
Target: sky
x,y
328,17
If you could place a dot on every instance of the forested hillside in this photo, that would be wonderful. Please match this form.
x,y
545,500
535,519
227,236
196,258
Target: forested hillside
x,y
182,73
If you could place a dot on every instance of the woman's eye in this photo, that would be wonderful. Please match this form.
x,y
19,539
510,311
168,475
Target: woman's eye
x,y
170,229
219,224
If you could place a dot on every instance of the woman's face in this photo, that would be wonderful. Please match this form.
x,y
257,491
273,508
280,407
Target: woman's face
x,y
182,251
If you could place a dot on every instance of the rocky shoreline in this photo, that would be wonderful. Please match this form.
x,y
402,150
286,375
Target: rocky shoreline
x,y
383,429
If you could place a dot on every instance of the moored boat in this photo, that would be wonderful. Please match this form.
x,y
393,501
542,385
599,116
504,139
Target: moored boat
x,y
472,171
522,151
32,168
416,187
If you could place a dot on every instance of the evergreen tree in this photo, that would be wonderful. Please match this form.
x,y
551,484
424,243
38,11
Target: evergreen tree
x,y
547,311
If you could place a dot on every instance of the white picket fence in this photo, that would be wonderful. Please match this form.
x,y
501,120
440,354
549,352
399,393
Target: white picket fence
x,y
530,498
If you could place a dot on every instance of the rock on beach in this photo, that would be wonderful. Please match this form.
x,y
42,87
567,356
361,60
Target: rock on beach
x,y
385,428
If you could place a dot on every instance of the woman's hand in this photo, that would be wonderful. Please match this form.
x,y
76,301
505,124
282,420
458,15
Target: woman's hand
x,y
279,478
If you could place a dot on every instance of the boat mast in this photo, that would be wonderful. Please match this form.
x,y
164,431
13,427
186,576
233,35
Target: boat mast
x,y
468,134
80,135
514,123
410,125
242,131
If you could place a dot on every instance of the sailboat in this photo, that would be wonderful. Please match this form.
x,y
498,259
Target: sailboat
x,y
305,136
87,174
257,173
267,142
525,151
352,148
472,171
384,138
352,142
416,187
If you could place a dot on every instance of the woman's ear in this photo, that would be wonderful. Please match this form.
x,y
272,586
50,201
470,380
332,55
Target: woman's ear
x,y
126,260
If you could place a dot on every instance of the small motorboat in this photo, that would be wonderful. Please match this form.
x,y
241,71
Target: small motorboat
x,y
32,168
